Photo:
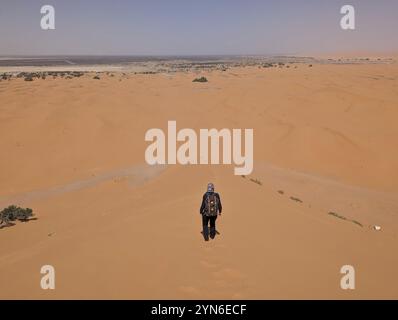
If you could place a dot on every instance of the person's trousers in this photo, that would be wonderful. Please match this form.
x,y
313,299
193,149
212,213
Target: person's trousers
x,y
205,223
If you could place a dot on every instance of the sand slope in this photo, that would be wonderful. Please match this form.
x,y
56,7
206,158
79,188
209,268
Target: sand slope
x,y
113,227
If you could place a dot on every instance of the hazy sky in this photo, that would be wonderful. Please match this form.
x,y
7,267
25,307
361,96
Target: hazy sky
x,y
188,27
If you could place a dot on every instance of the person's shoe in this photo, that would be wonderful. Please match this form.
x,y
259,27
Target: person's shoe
x,y
205,233
212,232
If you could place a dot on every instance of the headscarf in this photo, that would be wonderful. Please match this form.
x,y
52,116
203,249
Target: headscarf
x,y
210,187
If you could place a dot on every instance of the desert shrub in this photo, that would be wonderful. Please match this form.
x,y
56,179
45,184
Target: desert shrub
x,y
97,78
256,181
77,74
344,218
201,79
337,215
12,213
296,199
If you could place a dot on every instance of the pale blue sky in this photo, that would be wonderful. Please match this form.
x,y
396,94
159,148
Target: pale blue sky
x,y
184,27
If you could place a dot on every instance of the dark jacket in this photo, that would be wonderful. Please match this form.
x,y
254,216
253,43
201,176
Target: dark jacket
x,y
203,206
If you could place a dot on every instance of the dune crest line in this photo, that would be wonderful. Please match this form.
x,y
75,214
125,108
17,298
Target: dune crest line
x,y
137,175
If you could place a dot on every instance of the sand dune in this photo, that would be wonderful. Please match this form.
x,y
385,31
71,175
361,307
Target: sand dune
x,y
325,141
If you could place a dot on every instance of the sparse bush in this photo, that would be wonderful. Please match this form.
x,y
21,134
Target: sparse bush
x,y
256,181
77,74
97,77
12,213
337,215
296,199
201,79
358,223
344,218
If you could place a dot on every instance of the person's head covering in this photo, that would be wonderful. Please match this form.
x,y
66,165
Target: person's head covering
x,y
210,187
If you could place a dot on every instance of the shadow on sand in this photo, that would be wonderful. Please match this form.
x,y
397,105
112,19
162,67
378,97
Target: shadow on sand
x,y
209,233
10,224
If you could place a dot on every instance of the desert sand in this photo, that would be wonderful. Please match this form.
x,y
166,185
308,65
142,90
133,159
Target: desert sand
x,y
325,140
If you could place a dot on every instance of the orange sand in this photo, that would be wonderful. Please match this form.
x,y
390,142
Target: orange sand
x,y
73,150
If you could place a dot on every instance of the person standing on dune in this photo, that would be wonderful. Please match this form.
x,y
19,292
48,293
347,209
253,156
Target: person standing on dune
x,y
210,208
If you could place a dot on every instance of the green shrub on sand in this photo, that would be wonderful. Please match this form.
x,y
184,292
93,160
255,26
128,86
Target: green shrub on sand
x,y
12,213
201,79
